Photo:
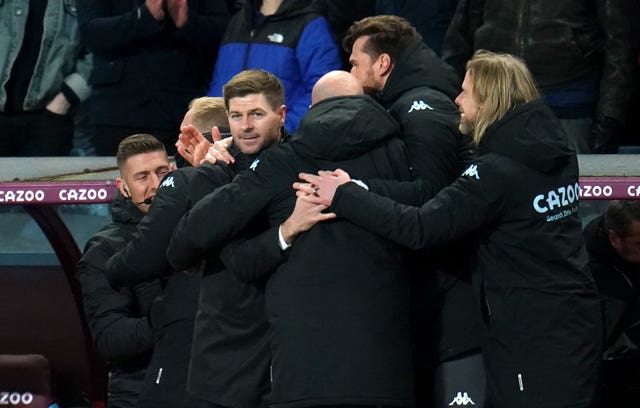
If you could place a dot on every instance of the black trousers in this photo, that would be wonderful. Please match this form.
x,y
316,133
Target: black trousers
x,y
38,133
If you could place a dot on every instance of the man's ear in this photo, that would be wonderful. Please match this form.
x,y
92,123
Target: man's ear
x,y
122,186
283,114
614,240
384,64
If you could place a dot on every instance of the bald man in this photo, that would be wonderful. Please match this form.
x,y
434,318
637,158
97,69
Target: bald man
x,y
336,303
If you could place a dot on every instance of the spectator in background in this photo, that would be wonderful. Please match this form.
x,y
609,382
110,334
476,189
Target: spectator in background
x,y
118,318
150,59
285,37
613,243
431,18
341,14
579,52
44,73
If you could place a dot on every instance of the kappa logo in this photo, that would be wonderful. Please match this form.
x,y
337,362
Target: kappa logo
x,y
168,182
254,165
419,106
472,171
276,38
462,399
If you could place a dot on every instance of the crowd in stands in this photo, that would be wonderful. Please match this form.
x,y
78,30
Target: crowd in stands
x,y
410,266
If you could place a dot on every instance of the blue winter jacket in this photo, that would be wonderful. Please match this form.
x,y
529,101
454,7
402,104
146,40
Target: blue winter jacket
x,y
295,44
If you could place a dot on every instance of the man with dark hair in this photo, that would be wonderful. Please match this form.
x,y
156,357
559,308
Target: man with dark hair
x,y
229,358
118,318
337,305
542,334
613,242
417,88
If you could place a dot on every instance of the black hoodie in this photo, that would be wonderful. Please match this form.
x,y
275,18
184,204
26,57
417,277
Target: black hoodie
x,y
338,306
520,198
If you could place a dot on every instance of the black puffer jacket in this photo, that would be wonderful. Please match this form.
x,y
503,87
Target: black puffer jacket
x,y
118,318
563,42
419,94
338,307
520,198
212,331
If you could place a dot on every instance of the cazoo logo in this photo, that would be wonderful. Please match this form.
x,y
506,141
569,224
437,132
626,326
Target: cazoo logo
x,y
555,199
15,398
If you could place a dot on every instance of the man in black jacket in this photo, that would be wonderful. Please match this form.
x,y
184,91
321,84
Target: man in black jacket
x,y
543,324
118,318
613,243
337,307
150,58
417,88
579,52
229,357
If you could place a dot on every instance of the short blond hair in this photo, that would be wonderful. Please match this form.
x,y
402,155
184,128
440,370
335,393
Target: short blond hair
x,y
207,112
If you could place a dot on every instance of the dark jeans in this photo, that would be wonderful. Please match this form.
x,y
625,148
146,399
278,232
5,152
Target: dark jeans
x,y
39,133
106,139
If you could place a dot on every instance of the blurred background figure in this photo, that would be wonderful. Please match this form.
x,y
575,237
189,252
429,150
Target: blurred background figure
x,y
285,37
613,243
150,59
579,52
44,77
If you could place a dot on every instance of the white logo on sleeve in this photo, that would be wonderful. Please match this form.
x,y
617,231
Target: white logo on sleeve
x,y
168,182
462,399
472,171
418,106
254,165
276,38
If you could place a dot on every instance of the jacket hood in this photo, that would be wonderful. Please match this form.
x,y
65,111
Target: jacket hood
x,y
420,66
124,211
287,9
343,127
531,135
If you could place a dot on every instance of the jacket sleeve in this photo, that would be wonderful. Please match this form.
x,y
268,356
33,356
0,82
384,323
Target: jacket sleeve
x,y
458,46
255,258
405,192
619,60
205,25
217,218
118,329
317,54
143,256
101,30
465,206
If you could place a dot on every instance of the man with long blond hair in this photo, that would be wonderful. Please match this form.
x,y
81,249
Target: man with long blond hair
x,y
519,201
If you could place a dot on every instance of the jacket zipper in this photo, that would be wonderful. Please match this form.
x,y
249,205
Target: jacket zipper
x,y
523,18
246,52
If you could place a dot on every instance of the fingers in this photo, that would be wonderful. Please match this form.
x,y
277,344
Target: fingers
x,y
215,134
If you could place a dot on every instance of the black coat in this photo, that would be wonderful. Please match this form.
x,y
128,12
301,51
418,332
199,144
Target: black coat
x,y
338,307
212,330
520,199
145,72
563,43
118,318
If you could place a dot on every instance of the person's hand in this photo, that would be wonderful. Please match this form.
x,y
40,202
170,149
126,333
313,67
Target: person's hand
x,y
59,104
320,189
304,216
219,150
155,8
192,145
178,11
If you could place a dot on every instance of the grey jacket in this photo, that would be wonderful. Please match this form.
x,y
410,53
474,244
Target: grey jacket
x,y
61,59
